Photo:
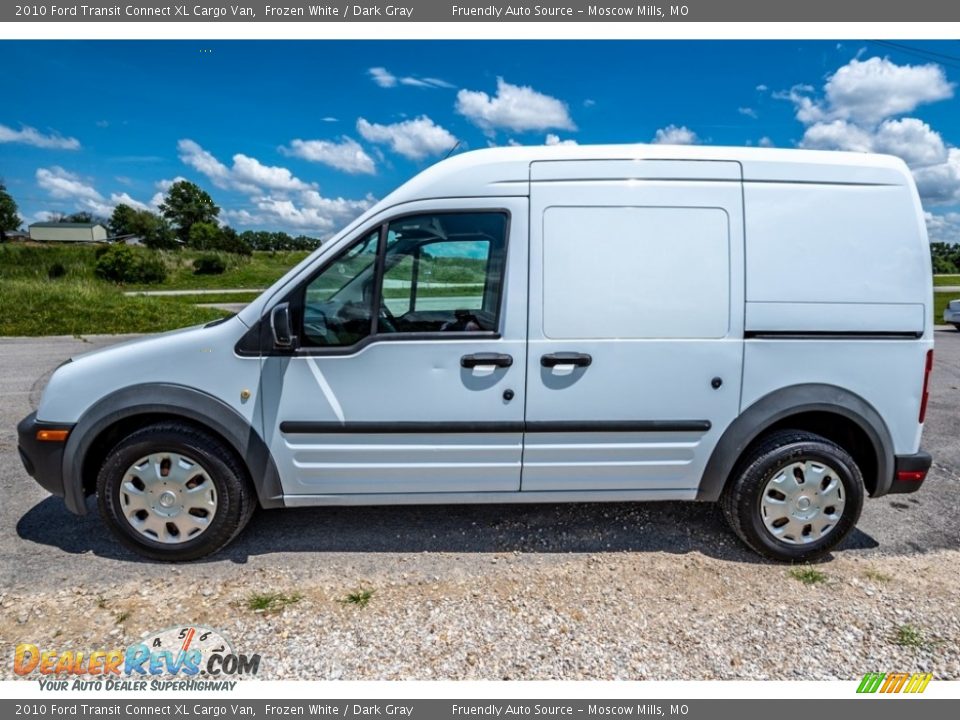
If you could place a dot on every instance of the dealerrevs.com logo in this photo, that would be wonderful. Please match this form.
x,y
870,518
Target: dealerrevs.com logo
x,y
190,657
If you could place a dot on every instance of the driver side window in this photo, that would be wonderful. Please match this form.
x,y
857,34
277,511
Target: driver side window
x,y
337,303
439,273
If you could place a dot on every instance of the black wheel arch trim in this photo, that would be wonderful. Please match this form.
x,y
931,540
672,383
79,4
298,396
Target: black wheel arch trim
x,y
177,400
794,400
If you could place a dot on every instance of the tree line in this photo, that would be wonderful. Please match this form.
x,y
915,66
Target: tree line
x,y
187,217
945,257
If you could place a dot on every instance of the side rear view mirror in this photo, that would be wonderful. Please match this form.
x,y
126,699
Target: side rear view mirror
x,y
282,326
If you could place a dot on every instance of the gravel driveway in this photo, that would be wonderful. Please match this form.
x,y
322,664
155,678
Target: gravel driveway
x,y
639,591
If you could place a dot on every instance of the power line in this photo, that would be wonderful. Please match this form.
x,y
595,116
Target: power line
x,y
942,58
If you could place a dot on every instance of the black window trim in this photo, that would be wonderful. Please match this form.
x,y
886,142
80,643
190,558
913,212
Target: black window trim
x,y
261,331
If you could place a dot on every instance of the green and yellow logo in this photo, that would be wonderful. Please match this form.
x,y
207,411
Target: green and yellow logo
x,y
894,682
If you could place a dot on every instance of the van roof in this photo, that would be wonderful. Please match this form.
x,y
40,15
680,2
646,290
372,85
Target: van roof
x,y
506,170
500,172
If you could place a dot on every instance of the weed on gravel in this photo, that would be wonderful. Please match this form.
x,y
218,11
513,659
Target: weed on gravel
x,y
909,636
360,598
877,576
271,602
808,575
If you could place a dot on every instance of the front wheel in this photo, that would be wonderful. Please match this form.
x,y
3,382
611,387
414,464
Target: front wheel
x,y
172,492
794,497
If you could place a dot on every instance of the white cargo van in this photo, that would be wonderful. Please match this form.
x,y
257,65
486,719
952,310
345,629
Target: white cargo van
x,y
550,324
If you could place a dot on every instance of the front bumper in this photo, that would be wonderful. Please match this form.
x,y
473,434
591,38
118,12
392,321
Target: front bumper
x,y
909,472
42,459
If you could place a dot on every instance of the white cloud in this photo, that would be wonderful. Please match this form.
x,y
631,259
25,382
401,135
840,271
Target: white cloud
x,y
674,135
31,136
943,228
248,170
414,139
247,175
552,139
307,212
837,135
64,185
514,107
748,111
868,91
762,88
765,142
345,154
277,199
382,77
908,138
426,82
940,183
386,79
859,108
199,159
165,185
911,139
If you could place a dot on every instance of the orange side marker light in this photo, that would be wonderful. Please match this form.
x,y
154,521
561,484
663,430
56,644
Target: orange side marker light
x,y
52,435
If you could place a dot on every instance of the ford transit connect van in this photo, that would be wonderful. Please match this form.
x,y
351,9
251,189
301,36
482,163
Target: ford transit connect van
x,y
550,324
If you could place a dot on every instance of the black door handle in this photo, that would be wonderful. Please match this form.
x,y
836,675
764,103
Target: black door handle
x,y
495,359
566,358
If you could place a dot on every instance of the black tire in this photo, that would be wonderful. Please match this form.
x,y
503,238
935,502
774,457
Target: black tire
x,y
741,499
957,326
236,500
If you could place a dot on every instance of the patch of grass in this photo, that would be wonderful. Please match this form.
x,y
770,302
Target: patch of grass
x,y
122,617
19,261
877,576
220,297
808,575
909,636
101,602
80,307
28,261
271,602
258,271
360,598
946,279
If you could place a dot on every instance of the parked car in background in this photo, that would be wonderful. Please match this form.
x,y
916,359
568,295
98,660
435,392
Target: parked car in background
x,y
951,313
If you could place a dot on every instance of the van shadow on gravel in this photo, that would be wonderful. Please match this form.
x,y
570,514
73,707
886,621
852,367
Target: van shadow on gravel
x,y
675,527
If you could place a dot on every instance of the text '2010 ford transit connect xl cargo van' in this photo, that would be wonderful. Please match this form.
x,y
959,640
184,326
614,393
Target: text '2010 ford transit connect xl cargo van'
x,y
551,324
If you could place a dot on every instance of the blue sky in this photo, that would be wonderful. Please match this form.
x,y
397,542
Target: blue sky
x,y
302,136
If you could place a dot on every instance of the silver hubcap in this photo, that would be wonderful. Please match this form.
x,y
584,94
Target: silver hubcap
x,y
168,497
802,502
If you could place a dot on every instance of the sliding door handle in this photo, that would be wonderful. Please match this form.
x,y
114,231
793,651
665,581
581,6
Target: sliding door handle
x,y
486,360
566,358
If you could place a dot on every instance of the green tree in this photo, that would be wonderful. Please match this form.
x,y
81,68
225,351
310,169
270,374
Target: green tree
x,y
122,219
9,217
204,236
186,205
153,230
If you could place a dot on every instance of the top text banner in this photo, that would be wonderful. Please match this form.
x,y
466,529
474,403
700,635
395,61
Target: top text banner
x,y
446,11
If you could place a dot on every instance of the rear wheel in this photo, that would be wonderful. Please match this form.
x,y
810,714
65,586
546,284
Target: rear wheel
x,y
957,326
795,496
170,491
